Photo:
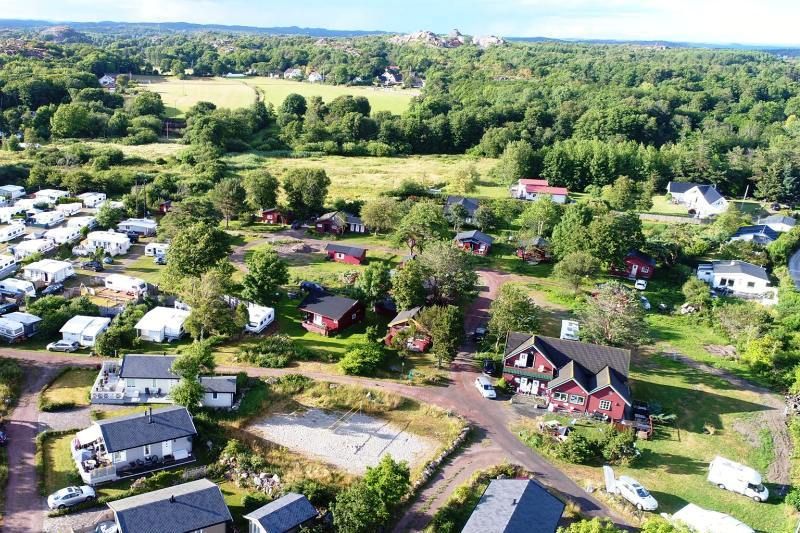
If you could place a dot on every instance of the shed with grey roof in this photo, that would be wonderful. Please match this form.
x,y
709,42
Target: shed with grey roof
x,y
283,515
515,506
189,507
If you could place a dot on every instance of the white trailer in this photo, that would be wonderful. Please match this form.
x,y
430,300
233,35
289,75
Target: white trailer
x,y
63,235
126,284
156,249
15,287
92,199
82,222
735,477
11,330
11,232
12,191
33,246
8,265
48,219
705,521
69,209
259,318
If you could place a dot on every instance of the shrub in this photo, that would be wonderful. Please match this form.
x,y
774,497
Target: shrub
x,y
253,500
319,494
576,449
362,359
793,498
276,351
617,447
294,383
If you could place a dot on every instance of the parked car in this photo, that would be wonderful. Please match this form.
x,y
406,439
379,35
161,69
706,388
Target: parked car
x,y
63,346
641,284
310,286
94,266
8,308
3,438
55,288
70,496
132,236
479,334
634,492
645,303
296,224
107,260
485,387
489,367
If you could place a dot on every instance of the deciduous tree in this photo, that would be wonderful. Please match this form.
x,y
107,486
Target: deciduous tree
x,y
614,317
576,267
513,310
229,197
266,272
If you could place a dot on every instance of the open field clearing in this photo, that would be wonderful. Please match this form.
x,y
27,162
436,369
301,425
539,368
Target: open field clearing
x,y
351,441
180,95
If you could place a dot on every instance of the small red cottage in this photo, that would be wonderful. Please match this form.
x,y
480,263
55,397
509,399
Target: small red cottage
x,y
636,265
474,242
419,341
274,215
327,314
339,222
165,207
571,376
352,255
534,250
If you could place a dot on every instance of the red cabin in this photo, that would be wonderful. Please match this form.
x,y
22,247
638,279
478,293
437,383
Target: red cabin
x,y
352,255
327,314
571,376
420,341
273,215
474,242
338,223
636,265
165,206
535,250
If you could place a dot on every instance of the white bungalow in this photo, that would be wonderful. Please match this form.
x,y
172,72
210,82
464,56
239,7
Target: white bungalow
x,y
11,231
740,278
33,246
702,201
48,219
12,191
48,271
84,329
111,242
82,222
141,226
162,324
65,235
49,196
92,199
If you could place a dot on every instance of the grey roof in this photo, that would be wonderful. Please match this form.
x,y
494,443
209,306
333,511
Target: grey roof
x,y
355,251
641,256
763,232
515,340
221,384
710,194
777,219
405,316
680,187
342,217
537,241
740,267
469,204
178,509
148,366
126,432
592,357
351,219
328,305
515,506
474,235
284,514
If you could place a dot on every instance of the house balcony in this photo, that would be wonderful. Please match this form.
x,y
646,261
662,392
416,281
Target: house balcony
x,y
316,328
109,388
527,372
95,466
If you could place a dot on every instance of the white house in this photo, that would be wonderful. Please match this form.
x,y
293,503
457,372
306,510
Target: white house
x,y
48,271
531,189
11,231
8,265
12,191
33,246
92,199
162,324
82,222
50,196
48,219
702,201
740,278
155,249
779,223
316,77
63,235
107,81
84,329
218,391
142,226
259,318
111,242
293,74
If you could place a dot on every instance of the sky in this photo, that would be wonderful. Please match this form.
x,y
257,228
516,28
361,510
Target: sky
x,y
708,21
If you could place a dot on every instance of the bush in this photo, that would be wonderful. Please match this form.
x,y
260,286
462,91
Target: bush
x,y
362,359
253,500
617,447
576,449
793,498
318,494
276,351
294,383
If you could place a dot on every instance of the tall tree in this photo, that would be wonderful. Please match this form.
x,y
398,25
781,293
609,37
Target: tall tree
x,y
576,267
513,310
423,224
210,314
382,214
229,196
614,317
540,217
408,285
374,282
266,272
262,189
446,327
306,190
451,276
195,249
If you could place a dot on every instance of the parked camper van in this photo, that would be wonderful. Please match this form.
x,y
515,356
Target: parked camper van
x,y
126,284
11,232
11,330
15,287
738,478
259,318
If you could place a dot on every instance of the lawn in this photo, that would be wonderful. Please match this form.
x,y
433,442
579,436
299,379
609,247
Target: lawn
x,y
146,269
663,206
70,388
180,95
673,466
59,469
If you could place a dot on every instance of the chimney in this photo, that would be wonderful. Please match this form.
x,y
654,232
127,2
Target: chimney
x,y
149,415
172,499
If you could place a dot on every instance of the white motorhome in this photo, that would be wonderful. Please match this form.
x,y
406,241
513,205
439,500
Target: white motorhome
x,y
735,477
126,284
16,287
64,235
12,191
8,265
92,199
69,209
82,222
259,318
48,271
7,213
48,219
11,232
155,249
49,196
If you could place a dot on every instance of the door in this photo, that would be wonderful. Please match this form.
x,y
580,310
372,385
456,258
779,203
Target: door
x,y
166,447
318,320
634,269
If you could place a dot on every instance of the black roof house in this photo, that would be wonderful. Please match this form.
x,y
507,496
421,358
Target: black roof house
x,y
328,305
515,506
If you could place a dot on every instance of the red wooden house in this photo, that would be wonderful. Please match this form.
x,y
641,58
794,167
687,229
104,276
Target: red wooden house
x,y
570,375
636,265
274,215
338,223
474,242
165,207
535,250
352,255
420,341
327,314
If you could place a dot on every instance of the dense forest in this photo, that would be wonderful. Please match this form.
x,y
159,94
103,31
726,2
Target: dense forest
x,y
579,115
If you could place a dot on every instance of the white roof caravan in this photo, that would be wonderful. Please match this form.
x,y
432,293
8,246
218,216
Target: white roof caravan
x,y
84,329
17,287
162,324
126,284
705,521
11,232
33,246
735,477
8,265
11,330
7,213
92,199
48,219
259,318
49,195
69,209
155,249
63,235
82,222
12,191
142,226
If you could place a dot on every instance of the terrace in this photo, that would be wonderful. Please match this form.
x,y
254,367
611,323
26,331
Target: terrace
x,y
111,388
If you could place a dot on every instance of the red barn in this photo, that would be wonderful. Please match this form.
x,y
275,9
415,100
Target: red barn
x,y
420,341
327,314
273,215
571,376
636,265
474,242
352,255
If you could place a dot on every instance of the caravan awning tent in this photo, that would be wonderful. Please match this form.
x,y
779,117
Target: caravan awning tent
x,y
705,521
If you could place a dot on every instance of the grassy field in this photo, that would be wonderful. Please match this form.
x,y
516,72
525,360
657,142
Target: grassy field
x,y
713,418
71,387
180,95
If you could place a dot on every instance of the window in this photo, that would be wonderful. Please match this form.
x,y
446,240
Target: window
x,y
214,395
355,315
730,283
560,396
605,405
645,270
723,281
751,284
576,399
339,255
118,457
147,449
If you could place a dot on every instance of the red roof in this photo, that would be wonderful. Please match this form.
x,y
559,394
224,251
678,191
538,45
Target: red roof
x,y
546,189
526,182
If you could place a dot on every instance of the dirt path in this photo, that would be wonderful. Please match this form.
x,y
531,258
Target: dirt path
x,y
773,419
24,506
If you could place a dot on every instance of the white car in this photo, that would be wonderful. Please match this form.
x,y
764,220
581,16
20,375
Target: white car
x,y
485,387
641,284
63,346
70,496
631,490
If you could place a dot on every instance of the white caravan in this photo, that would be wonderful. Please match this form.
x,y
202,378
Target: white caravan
x,y
259,318
126,284
735,477
15,287
705,521
11,232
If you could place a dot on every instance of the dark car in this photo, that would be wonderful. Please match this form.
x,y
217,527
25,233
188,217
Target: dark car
x,y
94,266
310,286
132,236
479,334
3,438
55,288
489,367
8,308
296,224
